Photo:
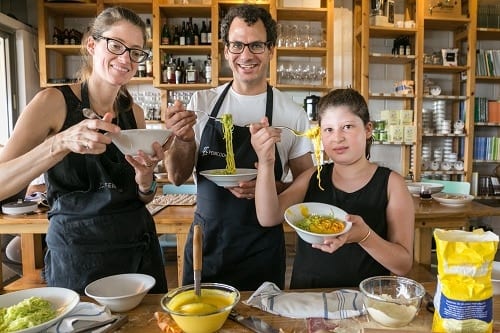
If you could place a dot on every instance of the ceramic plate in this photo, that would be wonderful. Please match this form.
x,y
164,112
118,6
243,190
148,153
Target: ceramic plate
x,y
414,188
63,301
129,142
452,199
221,179
298,212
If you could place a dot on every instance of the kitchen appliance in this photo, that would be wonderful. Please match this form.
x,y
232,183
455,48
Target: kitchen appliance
x,y
311,107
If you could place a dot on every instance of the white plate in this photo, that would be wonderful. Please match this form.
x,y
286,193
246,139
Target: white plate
x,y
298,212
129,142
63,301
452,199
414,188
241,175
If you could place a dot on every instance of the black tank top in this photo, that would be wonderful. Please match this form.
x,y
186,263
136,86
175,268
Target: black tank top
x,y
350,264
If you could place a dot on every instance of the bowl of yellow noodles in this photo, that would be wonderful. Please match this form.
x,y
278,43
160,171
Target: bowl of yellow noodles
x,y
313,221
225,179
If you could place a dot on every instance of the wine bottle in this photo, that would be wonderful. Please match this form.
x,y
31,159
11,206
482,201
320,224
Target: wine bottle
x,y
203,34
165,33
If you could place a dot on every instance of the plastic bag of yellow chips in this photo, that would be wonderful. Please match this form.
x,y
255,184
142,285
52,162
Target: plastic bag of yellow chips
x,y
464,294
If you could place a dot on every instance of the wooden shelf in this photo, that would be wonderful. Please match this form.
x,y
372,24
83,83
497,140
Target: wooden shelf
x,y
391,59
389,32
445,69
446,23
301,14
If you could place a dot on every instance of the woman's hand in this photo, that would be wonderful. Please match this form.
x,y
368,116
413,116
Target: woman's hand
x,y
144,166
86,137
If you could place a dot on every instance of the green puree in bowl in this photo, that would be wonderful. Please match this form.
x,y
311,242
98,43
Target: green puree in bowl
x,y
28,313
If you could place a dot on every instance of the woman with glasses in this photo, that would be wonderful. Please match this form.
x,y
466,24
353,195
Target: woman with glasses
x,y
236,249
99,224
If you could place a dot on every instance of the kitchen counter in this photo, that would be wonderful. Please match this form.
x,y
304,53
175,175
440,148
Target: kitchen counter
x,y
177,220
141,318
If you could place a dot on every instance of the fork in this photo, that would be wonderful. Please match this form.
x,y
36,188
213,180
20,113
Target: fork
x,y
208,115
294,131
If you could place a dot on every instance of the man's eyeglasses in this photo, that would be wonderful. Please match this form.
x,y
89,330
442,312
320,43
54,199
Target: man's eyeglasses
x,y
116,47
254,47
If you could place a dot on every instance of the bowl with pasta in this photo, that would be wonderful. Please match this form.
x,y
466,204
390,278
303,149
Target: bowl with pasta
x,y
223,178
313,221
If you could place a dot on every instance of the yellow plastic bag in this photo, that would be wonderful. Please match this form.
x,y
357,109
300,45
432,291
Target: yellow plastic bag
x,y
464,294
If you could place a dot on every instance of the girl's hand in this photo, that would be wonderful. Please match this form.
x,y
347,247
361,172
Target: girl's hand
x,y
264,139
357,232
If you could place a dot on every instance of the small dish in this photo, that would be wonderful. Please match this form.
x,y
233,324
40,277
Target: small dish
x,y
296,213
452,199
415,188
224,180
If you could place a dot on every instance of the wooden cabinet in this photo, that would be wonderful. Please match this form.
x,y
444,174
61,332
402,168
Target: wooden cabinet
x,y
436,33
56,59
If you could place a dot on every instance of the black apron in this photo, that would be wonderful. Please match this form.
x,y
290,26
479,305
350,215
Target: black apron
x,y
98,226
237,250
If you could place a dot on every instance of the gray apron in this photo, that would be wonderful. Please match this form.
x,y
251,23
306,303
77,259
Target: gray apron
x,y
237,250
98,226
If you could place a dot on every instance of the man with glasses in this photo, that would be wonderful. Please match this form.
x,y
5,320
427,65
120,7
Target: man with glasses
x,y
237,250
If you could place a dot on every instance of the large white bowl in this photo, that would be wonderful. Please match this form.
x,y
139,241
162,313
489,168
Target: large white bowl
x,y
121,292
298,212
63,301
392,301
415,188
218,177
129,142
452,199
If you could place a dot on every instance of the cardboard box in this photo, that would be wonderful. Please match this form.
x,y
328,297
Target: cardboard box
x,y
396,133
406,117
410,134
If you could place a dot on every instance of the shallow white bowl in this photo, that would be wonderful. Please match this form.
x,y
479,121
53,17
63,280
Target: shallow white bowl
x,y
495,277
218,177
298,212
121,292
392,301
452,199
129,142
415,188
63,301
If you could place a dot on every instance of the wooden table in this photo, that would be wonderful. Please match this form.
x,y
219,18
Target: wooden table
x,y
177,220
141,318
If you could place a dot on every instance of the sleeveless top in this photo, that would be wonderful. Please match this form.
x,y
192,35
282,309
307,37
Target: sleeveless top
x,y
350,264
98,225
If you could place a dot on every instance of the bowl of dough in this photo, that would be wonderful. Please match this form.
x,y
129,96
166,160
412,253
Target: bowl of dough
x,y
392,301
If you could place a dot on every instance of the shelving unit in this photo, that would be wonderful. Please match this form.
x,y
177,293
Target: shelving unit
x,y
433,32
487,87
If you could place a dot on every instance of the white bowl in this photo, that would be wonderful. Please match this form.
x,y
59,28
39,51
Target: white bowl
x,y
452,199
392,301
298,212
414,188
218,177
495,277
129,142
121,292
63,301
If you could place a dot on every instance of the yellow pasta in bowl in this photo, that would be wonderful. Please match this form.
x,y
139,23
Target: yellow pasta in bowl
x,y
313,221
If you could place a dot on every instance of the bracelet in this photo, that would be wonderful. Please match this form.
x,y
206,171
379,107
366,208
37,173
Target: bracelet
x,y
366,237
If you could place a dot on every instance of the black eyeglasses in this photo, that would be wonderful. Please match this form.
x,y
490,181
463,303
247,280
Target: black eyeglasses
x,y
254,47
116,47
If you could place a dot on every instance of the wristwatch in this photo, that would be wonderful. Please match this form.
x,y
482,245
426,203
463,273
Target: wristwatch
x,y
152,189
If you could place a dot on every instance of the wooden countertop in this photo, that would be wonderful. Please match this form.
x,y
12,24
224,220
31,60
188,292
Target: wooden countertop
x,y
141,318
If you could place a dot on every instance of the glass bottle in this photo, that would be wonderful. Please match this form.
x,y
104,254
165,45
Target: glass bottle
x,y
182,35
148,29
165,33
209,33
208,70
203,34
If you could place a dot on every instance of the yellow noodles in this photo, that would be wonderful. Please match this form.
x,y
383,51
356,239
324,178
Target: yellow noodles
x,y
227,131
321,224
314,134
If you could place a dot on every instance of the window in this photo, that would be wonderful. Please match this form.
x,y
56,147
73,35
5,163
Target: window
x,y
8,104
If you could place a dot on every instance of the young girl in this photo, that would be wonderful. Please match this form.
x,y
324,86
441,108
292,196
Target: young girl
x,y
376,199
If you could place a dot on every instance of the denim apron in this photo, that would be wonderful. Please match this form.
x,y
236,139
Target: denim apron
x,y
237,250
98,226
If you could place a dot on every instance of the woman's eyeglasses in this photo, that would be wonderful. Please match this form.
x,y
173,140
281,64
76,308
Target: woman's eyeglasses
x,y
116,47
254,47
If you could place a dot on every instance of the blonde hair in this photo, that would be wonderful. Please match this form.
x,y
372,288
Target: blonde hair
x,y
103,22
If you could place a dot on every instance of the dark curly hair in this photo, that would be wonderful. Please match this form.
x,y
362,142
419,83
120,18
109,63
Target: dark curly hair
x,y
251,14
354,101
